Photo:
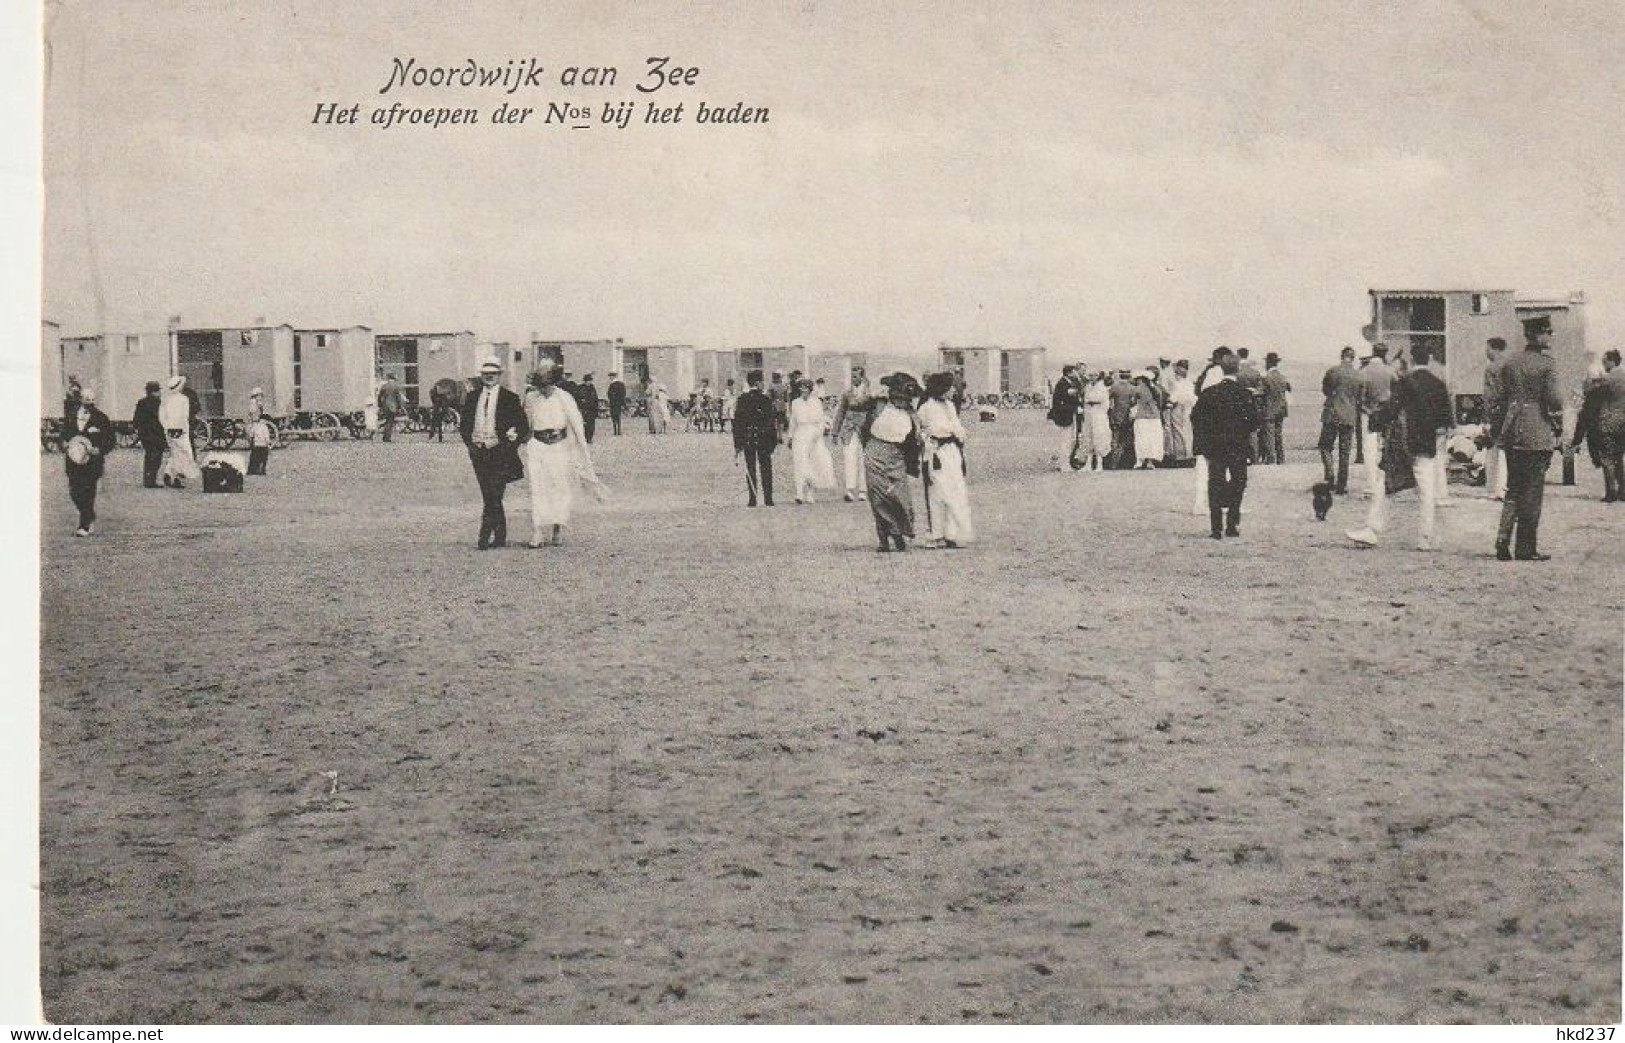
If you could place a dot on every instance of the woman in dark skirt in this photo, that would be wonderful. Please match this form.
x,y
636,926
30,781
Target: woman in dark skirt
x,y
891,453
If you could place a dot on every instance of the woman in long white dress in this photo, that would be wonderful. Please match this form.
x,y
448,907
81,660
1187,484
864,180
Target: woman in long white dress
x,y
1181,397
811,466
943,465
556,457
1097,424
662,410
175,413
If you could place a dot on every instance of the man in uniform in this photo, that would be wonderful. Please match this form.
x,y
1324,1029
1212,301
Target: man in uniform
x,y
493,427
617,400
1341,386
756,435
1525,415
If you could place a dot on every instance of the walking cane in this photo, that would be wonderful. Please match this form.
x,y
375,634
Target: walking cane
x,y
925,475
750,479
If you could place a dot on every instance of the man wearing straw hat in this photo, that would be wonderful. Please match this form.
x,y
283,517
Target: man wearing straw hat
x,y
493,427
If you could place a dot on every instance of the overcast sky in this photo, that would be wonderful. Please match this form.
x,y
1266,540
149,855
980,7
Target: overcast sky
x,y
1112,179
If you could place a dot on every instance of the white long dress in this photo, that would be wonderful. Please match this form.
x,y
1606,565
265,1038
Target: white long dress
x,y
948,495
180,465
555,470
810,462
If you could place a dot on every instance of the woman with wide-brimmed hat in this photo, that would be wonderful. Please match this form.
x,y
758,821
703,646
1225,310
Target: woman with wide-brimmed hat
x,y
175,413
556,457
891,453
943,465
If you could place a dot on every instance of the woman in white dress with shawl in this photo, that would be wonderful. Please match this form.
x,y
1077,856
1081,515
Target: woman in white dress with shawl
x,y
556,458
810,463
943,465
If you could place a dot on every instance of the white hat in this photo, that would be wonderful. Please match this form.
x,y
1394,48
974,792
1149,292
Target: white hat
x,y
175,383
490,366
79,449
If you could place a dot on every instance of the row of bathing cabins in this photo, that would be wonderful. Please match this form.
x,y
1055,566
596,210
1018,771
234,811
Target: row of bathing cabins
x,y
338,369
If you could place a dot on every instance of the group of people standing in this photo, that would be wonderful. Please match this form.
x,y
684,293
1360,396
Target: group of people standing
x,y
891,437
162,421
1142,420
1404,415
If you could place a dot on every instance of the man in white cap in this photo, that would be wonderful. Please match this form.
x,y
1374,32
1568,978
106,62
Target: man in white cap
x,y
493,427
175,413
88,436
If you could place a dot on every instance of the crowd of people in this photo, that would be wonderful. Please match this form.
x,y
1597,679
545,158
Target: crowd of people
x,y
1391,414
1126,419
884,439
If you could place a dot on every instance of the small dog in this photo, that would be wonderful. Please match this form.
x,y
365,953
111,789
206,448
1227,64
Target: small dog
x,y
1323,499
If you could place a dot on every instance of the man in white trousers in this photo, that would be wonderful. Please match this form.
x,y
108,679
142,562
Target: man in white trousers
x,y
1422,396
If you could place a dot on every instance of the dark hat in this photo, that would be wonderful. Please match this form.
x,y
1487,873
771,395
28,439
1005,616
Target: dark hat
x,y
938,384
1271,359
1219,352
902,385
1537,324
152,385
586,376
753,377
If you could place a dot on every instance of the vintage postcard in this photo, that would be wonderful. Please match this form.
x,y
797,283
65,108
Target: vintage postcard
x,y
830,512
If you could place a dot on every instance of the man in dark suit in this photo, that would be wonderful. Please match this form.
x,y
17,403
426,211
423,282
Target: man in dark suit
x,y
586,396
1223,421
756,435
493,428
150,430
1526,414
91,424
1341,386
617,400
1066,412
